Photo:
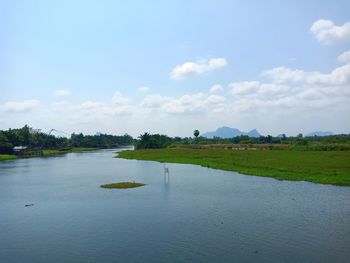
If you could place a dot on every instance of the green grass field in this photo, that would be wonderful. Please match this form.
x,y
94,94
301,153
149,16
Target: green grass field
x,y
4,157
326,167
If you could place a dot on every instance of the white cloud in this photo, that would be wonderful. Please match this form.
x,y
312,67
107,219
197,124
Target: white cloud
x,y
214,99
197,68
144,89
20,106
244,87
185,104
340,75
344,57
154,101
326,32
292,90
216,88
189,103
61,92
282,74
119,99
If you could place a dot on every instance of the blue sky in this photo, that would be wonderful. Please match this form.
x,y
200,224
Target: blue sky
x,y
87,66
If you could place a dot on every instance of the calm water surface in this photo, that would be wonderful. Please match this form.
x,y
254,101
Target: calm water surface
x,y
198,215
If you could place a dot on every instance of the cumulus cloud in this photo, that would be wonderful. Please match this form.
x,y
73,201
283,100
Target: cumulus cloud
x,y
188,103
283,74
91,110
244,87
154,101
216,88
20,106
326,32
344,57
144,89
292,90
119,99
340,75
61,92
196,68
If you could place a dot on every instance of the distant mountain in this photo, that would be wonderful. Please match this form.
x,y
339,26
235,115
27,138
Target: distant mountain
x,y
319,133
227,132
253,133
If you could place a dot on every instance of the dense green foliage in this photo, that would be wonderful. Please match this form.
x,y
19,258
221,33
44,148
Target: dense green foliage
x,y
37,140
327,167
196,133
148,141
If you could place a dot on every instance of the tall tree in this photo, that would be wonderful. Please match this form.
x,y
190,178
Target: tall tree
x,y
196,133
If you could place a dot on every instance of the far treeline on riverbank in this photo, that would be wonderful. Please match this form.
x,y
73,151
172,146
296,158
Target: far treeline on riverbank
x,y
28,142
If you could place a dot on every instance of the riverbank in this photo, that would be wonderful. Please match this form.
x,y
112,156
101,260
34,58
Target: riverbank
x,y
325,167
72,150
4,157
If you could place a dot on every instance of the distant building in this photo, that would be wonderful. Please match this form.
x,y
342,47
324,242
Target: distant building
x,y
18,149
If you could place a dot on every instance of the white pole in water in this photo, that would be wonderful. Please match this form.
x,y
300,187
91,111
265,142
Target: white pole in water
x,y
166,169
166,175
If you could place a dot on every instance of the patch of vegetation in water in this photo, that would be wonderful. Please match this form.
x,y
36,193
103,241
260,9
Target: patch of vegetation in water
x,y
122,185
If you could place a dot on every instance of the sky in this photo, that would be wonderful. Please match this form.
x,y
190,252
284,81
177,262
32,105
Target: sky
x,y
171,67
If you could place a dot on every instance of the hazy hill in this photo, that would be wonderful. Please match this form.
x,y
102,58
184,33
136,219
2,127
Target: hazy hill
x,y
227,132
319,133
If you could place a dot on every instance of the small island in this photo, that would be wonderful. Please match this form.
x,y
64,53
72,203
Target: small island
x,y
122,185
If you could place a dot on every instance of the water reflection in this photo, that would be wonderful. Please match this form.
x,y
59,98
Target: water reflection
x,y
167,182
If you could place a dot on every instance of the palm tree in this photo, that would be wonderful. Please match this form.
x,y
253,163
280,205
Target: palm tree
x,y
196,133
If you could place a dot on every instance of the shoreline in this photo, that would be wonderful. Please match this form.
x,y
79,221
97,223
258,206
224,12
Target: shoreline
x,y
46,152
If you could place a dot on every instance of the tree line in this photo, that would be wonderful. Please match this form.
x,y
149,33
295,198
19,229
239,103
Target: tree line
x,y
35,139
332,142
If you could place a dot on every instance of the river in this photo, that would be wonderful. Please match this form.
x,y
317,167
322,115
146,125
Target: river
x,y
195,215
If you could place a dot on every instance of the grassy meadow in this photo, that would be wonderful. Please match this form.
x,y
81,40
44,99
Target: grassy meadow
x,y
4,157
325,167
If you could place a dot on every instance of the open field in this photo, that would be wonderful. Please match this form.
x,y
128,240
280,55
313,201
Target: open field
x,y
326,167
